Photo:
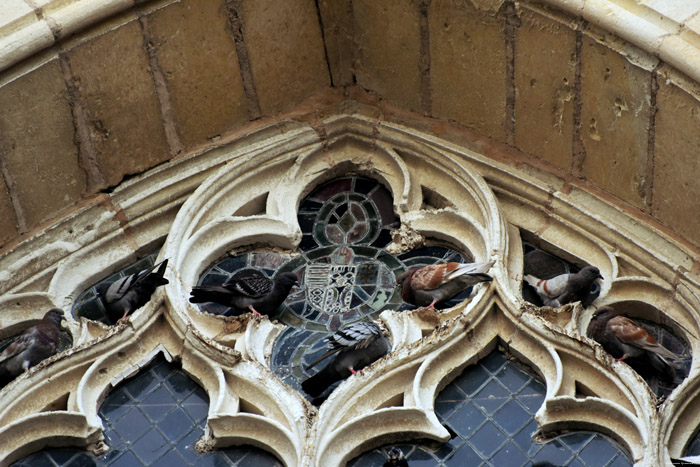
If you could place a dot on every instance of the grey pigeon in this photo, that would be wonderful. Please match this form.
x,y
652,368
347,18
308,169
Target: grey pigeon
x,y
395,458
564,288
624,339
130,293
32,346
428,285
248,289
355,346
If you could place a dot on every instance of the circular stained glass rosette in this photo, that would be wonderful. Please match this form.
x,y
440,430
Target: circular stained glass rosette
x,y
345,273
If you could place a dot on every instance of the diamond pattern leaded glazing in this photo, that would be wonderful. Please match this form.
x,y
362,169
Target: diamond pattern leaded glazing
x,y
154,418
489,410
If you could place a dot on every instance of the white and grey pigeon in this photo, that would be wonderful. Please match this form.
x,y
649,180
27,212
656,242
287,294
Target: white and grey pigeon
x,y
248,289
564,288
32,346
355,346
130,293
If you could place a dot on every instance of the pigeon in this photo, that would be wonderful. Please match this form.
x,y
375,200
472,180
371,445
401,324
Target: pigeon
x,y
564,288
32,346
428,285
355,346
624,338
130,293
395,458
248,289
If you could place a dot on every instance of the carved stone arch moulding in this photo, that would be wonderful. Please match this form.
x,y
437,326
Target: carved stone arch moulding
x,y
246,194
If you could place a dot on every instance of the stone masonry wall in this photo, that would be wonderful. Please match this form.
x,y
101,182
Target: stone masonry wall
x,y
162,79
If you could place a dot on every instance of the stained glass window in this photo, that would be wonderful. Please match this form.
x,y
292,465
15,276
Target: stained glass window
x,y
347,274
489,411
156,419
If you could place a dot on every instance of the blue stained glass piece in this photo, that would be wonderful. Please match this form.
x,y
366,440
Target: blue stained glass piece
x,y
133,425
598,451
464,456
170,459
488,439
466,420
150,447
512,417
176,425
158,403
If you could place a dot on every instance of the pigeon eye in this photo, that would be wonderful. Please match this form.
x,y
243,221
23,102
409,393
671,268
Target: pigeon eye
x,y
595,288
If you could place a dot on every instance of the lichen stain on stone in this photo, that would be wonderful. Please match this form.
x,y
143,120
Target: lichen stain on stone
x,y
561,97
593,130
487,5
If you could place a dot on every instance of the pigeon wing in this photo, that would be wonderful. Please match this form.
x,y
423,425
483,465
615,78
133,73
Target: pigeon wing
x,y
249,284
630,333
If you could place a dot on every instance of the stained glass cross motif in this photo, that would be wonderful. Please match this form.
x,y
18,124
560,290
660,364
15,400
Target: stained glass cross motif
x,y
346,273
154,419
489,410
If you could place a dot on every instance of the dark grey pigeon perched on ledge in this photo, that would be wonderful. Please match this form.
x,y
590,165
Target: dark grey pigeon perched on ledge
x,y
564,288
32,346
354,346
130,293
248,289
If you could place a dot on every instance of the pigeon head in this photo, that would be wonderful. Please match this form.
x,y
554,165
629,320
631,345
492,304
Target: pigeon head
x,y
604,313
102,289
406,275
591,273
287,279
54,315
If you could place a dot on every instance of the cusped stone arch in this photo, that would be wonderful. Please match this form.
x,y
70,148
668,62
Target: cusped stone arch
x,y
246,195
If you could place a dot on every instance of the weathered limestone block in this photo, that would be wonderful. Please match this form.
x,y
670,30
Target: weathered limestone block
x,y
286,51
387,41
545,66
37,146
676,161
113,79
616,96
197,56
468,66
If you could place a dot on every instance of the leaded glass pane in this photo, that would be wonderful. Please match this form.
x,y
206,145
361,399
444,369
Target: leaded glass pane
x,y
154,418
489,410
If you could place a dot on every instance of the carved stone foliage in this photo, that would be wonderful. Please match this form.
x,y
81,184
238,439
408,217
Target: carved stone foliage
x,y
249,196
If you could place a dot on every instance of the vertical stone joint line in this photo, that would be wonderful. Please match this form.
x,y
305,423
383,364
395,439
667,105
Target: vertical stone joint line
x,y
87,155
166,108
512,22
426,89
236,24
648,187
325,45
21,222
578,149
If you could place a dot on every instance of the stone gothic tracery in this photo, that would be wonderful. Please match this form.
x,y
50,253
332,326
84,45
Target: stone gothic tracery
x,y
227,203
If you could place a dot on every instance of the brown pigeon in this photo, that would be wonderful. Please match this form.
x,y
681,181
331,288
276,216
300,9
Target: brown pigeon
x,y
130,293
624,338
356,346
248,289
564,288
32,346
428,285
